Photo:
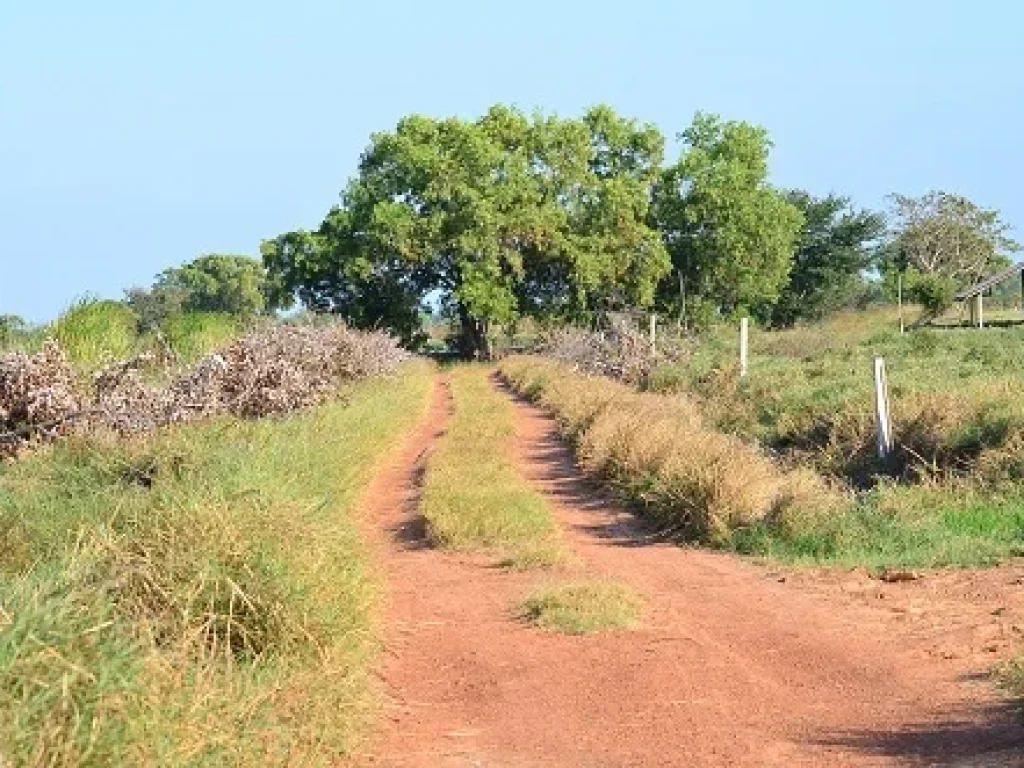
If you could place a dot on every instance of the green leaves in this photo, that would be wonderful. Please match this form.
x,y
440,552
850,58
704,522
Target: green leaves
x,y
502,216
731,235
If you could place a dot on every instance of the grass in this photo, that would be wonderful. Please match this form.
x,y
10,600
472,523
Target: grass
x,y
474,498
583,608
656,452
661,454
951,497
93,332
194,335
199,598
957,396
899,526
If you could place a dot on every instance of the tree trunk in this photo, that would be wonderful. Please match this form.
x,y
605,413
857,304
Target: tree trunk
x,y
473,341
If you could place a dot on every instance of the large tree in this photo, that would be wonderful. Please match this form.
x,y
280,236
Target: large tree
x,y
731,235
943,242
835,247
499,217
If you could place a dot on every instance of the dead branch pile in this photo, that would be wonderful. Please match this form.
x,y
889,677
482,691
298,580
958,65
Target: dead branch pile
x,y
622,351
267,372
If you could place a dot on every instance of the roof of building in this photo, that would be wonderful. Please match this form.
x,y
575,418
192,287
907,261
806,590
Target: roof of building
x,y
988,282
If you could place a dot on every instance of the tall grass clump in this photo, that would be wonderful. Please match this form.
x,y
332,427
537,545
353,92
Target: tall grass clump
x,y
474,498
198,597
583,608
193,335
93,332
658,453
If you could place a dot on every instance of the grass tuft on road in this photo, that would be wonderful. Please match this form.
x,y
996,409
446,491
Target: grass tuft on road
x,y
202,597
474,498
583,608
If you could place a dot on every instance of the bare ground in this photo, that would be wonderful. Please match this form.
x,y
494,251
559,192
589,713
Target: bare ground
x,y
736,663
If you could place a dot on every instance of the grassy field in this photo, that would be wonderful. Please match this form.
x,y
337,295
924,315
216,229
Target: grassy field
x,y
712,455
473,496
956,396
199,598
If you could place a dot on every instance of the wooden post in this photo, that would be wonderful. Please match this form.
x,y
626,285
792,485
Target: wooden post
x,y
977,315
882,410
743,347
654,332
899,297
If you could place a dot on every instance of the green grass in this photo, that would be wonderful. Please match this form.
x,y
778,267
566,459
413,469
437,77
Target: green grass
x,y
196,334
910,527
199,598
474,498
957,395
93,332
583,608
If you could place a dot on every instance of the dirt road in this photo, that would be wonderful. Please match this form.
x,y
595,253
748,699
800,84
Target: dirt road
x,y
736,664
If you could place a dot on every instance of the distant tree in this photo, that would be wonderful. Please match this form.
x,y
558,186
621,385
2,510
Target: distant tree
x,y
836,245
11,326
234,285
730,234
154,306
943,242
500,217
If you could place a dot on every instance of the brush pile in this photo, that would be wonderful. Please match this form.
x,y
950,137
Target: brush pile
x,y
621,352
272,371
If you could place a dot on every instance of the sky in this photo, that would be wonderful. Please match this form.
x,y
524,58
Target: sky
x,y
135,136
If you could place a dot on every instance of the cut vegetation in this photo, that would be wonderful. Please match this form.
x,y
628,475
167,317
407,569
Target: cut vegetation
x,y
200,597
583,608
473,496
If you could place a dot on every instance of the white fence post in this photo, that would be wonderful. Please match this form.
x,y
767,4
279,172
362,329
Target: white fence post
x,y
882,410
743,347
654,331
899,297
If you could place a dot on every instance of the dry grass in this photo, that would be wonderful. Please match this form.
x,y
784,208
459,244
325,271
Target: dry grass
x,y
474,498
658,453
583,608
200,597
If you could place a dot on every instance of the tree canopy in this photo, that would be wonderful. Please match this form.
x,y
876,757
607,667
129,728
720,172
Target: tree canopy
x,y
516,214
837,244
731,235
234,285
942,242
504,216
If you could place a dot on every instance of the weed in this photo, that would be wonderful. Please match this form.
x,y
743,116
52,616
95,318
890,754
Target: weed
x,y
657,452
583,608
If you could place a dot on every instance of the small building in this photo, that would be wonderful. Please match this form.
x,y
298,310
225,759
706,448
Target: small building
x,y
974,296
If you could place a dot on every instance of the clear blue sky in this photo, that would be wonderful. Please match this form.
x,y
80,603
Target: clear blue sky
x,y
136,135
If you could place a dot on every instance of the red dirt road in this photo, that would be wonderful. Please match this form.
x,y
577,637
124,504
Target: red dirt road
x,y
735,664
